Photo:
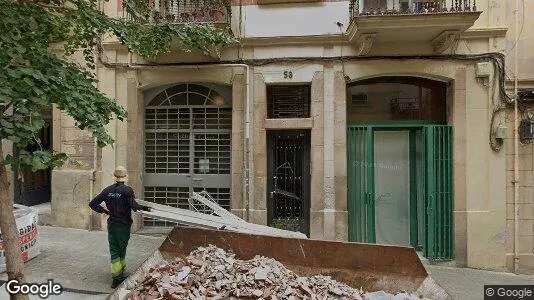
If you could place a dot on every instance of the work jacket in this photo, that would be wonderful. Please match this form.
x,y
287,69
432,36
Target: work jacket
x,y
120,201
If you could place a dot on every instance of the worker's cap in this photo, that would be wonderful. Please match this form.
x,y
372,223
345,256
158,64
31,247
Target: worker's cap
x,y
120,173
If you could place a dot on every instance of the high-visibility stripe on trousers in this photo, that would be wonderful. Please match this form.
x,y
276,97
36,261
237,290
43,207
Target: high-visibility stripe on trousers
x,y
118,237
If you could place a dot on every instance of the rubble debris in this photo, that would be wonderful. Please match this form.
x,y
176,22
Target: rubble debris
x,y
212,273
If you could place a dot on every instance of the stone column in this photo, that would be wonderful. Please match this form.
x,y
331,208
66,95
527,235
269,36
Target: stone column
x,y
107,85
258,203
131,152
121,127
329,200
238,100
459,121
340,156
317,157
71,184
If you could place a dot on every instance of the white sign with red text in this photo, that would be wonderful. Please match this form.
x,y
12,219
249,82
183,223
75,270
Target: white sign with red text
x,y
26,219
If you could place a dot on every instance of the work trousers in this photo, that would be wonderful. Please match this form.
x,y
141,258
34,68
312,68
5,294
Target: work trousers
x,y
118,237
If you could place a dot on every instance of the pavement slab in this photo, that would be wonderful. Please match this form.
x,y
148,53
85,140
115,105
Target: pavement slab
x,y
79,259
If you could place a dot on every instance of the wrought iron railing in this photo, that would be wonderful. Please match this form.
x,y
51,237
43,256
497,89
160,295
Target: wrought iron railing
x,y
183,11
385,7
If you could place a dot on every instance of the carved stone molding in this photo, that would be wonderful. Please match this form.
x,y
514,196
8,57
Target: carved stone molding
x,y
365,42
445,40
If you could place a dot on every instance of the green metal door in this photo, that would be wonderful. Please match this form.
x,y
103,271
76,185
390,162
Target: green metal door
x,y
438,237
361,184
431,181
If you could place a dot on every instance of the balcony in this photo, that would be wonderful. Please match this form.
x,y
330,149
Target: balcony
x,y
437,24
217,12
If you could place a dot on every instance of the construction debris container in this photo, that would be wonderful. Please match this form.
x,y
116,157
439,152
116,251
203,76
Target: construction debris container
x,y
371,267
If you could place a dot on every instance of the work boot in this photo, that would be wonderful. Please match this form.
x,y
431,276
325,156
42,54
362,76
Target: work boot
x,y
116,282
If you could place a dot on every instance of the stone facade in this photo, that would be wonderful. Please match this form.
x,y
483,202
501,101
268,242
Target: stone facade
x,y
483,188
525,203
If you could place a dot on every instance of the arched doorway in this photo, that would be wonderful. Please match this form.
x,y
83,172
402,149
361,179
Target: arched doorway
x,y
399,150
187,145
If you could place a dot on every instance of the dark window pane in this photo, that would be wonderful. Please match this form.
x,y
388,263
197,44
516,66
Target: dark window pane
x,y
178,99
160,99
396,98
198,89
197,99
288,102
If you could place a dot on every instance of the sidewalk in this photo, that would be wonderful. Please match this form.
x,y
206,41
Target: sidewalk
x,y
463,283
79,261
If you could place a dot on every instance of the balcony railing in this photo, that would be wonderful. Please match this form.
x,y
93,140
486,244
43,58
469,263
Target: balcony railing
x,y
200,11
389,7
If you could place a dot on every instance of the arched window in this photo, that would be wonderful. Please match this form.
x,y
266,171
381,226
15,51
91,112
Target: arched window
x,y
396,98
188,107
188,134
189,94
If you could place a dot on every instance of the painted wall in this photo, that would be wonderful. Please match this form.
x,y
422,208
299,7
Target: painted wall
x,y
524,42
293,19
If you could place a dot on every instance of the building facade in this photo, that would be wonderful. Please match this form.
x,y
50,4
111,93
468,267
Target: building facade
x,y
382,121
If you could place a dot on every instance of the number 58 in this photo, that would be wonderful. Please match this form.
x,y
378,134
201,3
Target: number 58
x,y
288,74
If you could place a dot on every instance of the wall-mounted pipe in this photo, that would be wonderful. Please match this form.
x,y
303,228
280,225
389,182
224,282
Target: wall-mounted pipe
x,y
516,148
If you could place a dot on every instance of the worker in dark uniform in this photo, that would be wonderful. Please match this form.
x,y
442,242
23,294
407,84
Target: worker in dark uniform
x,y
120,201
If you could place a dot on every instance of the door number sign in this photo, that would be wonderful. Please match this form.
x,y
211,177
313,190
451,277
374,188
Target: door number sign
x,y
288,74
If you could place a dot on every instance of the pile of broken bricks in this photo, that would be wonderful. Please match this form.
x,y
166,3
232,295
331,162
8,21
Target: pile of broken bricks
x,y
212,273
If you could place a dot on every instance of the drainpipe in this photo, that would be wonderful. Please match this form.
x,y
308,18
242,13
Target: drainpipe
x,y
247,144
516,149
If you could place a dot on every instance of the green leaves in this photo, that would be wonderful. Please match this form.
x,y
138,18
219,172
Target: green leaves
x,y
37,160
156,38
37,37
203,37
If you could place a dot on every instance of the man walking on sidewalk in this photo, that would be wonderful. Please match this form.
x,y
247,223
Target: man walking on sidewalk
x,y
120,201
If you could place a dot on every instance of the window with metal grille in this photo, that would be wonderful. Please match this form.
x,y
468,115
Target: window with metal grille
x,y
288,101
188,134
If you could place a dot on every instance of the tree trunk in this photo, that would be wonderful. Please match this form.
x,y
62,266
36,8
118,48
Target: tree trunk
x,y
10,235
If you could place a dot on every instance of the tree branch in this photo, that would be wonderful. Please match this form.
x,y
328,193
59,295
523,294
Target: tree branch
x,y
7,106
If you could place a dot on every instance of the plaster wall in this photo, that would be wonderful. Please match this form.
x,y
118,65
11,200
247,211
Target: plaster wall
x,y
524,41
300,19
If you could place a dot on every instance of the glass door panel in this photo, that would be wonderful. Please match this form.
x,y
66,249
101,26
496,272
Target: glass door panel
x,y
392,187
